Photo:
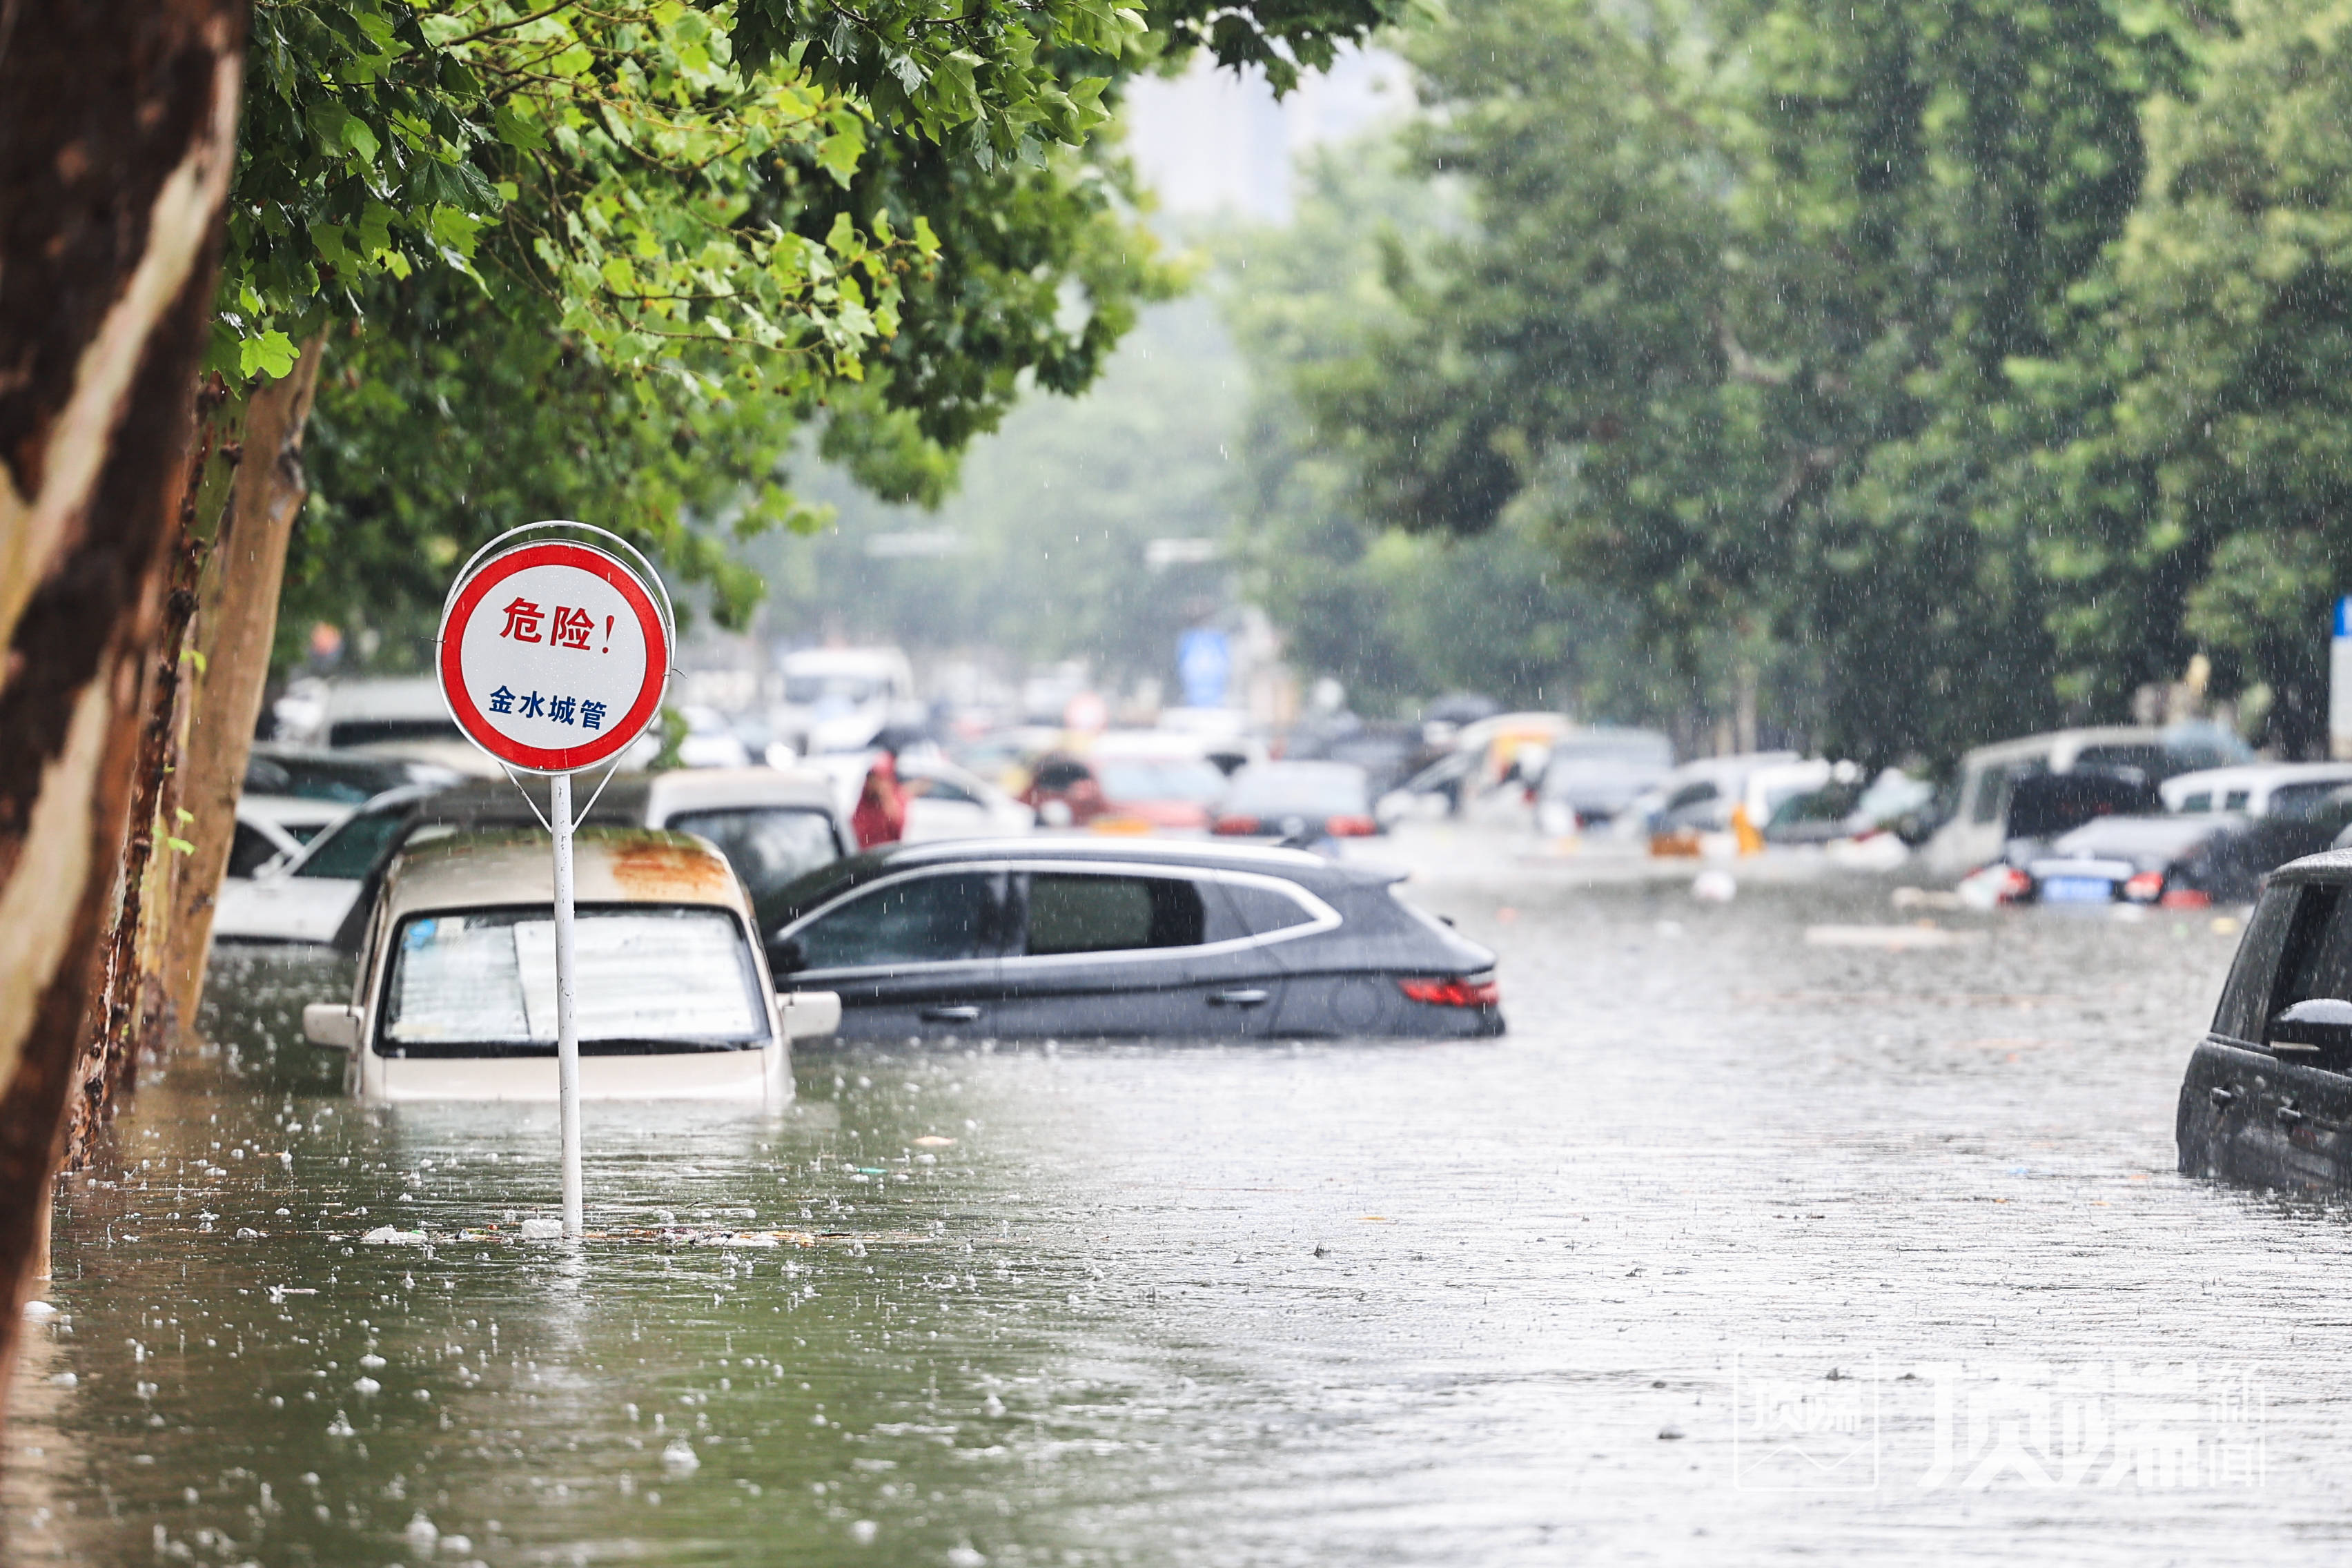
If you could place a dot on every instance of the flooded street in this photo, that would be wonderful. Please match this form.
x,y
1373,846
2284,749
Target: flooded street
x,y
1336,1302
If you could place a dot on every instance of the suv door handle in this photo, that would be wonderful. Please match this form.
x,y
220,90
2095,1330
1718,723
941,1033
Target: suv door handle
x,y
2224,1098
950,1015
1249,996
2288,1115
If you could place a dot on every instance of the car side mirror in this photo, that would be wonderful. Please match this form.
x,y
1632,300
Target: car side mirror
x,y
809,1014
332,1026
2316,1023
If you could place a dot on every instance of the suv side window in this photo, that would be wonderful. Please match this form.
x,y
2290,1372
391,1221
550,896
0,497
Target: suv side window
x,y
938,919
1082,913
2296,946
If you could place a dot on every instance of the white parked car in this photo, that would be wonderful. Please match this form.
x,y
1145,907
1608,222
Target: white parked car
x,y
772,826
455,998
944,801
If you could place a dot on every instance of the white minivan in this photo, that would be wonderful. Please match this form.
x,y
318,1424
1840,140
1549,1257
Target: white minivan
x,y
454,995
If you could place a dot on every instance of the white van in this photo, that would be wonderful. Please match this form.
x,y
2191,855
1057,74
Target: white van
x,y
455,998
839,699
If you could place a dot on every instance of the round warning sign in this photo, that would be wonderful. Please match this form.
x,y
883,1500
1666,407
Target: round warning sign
x,y
553,657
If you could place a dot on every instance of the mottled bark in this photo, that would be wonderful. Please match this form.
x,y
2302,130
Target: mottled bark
x,y
237,622
117,140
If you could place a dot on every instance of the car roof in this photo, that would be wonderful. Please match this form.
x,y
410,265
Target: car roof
x,y
2144,832
412,697
609,866
633,798
2255,775
711,789
1296,865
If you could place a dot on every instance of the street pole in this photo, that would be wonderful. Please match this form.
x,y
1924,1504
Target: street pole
x,y
567,1027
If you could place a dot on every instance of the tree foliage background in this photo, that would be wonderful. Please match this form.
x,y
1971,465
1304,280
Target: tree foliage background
x,y
1973,365
627,252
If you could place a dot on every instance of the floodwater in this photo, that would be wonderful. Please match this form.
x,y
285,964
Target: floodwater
x,y
1738,1248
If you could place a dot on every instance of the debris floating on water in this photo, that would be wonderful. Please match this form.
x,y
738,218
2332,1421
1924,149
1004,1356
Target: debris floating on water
x,y
1893,939
392,1235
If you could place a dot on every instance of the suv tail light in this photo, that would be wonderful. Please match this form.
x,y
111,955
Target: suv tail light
x,y
2145,887
1351,827
1235,824
2187,899
1455,990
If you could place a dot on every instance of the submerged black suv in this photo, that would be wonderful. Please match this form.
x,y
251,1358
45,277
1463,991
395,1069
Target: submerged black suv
x,y
2268,1097
1075,939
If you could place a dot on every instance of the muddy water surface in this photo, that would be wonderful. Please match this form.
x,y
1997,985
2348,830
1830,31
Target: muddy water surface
x,y
1359,1301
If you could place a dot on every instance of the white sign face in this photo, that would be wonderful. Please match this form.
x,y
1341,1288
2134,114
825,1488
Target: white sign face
x,y
553,657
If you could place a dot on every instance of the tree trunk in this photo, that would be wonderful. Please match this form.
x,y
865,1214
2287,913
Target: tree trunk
x,y
117,140
237,622
112,1029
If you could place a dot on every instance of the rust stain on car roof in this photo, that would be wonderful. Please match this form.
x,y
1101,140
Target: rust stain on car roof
x,y
649,866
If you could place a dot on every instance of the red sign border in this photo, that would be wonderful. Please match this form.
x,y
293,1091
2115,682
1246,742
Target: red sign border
x,y
552,758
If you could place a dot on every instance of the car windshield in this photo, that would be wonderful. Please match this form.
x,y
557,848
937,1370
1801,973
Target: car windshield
x,y
767,845
377,731
345,782
810,689
1184,779
1830,802
2047,805
647,974
1637,748
349,848
1330,789
2303,801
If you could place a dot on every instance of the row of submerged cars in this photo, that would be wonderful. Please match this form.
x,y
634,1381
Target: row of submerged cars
x,y
2058,820
722,913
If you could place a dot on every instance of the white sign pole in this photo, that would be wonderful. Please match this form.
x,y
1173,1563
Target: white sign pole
x,y
553,657
567,1025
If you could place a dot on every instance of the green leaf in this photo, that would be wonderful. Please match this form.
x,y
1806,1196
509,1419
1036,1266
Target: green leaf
x,y
271,354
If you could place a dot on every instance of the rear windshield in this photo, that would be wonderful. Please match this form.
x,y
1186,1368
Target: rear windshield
x,y
483,983
1330,789
767,844
1198,782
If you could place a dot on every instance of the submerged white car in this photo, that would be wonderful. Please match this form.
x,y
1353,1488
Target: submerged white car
x,y
771,825
455,998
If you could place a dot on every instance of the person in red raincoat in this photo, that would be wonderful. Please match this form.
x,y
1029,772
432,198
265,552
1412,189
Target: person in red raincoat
x,y
881,813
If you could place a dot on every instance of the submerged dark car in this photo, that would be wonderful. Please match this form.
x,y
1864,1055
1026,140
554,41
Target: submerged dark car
x,y
2268,1095
1074,939
2179,862
1298,802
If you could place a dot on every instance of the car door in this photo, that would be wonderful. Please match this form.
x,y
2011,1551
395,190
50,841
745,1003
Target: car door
x,y
2283,1106
910,956
1134,950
